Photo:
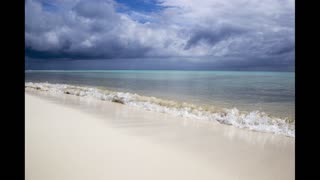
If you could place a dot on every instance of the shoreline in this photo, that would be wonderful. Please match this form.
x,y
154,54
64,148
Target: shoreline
x,y
251,120
68,137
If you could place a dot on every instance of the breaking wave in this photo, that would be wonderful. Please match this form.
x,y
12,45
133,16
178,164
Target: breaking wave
x,y
254,120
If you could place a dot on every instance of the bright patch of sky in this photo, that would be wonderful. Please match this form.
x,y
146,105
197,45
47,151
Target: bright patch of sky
x,y
144,6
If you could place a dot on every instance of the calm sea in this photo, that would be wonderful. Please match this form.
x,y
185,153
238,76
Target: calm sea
x,y
270,92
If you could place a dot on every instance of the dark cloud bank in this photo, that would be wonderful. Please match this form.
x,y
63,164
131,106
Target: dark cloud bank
x,y
183,34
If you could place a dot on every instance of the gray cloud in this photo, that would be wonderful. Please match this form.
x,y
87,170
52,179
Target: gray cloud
x,y
245,31
95,10
90,29
214,35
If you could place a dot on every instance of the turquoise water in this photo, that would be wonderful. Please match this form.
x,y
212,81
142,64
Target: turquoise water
x,y
270,92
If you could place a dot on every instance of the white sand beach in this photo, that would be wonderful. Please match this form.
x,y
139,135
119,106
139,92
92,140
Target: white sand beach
x,y
69,138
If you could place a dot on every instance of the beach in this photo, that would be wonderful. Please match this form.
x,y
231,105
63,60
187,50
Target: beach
x,y
70,137
159,90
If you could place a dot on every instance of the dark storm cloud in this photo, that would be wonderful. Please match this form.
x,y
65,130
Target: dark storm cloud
x,y
213,36
90,29
95,9
162,63
247,32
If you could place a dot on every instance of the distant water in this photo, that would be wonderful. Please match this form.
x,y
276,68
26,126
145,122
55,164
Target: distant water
x,y
269,92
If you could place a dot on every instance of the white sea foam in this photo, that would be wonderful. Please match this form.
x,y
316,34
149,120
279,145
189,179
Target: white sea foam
x,y
255,120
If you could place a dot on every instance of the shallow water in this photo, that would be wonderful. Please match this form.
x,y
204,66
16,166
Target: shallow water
x,y
260,101
270,92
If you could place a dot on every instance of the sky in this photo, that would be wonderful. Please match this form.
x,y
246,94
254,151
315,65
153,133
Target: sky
x,y
160,34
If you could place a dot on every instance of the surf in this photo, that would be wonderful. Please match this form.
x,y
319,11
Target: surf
x,y
253,120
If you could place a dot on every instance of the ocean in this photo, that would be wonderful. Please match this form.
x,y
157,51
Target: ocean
x,y
260,101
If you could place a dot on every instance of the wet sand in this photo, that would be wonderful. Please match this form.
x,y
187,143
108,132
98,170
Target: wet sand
x,y
70,137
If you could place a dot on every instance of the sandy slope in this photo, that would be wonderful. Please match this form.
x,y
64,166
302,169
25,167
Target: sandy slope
x,y
65,142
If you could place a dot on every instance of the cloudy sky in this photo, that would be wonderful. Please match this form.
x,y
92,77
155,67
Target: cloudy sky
x,y
160,34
